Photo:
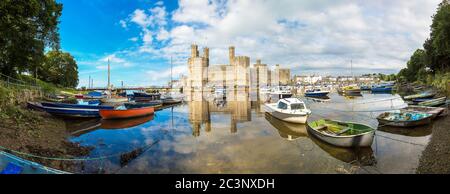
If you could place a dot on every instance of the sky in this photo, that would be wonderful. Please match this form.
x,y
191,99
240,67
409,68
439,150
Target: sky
x,y
319,37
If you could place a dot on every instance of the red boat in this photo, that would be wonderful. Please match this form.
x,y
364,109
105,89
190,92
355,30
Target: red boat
x,y
129,113
79,96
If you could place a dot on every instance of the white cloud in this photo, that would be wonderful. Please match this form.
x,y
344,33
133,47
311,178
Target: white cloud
x,y
165,74
299,34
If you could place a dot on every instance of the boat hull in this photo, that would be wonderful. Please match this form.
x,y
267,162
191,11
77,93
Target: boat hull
x,y
316,94
287,117
64,105
434,102
362,140
123,114
414,123
114,100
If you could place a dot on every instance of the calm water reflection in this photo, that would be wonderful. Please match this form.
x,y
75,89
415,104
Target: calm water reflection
x,y
234,135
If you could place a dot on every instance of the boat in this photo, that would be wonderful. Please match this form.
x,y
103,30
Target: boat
x,y
434,102
435,111
316,93
420,95
154,104
35,106
382,89
114,100
10,164
351,90
81,106
143,96
281,92
342,134
94,95
126,113
289,131
66,112
170,100
404,119
290,110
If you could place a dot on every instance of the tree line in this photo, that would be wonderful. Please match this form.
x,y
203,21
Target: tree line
x,y
30,42
432,62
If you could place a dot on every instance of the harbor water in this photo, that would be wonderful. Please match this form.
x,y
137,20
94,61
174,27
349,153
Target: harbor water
x,y
232,134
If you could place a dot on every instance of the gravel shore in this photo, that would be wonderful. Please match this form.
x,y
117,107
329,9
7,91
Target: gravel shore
x,y
435,158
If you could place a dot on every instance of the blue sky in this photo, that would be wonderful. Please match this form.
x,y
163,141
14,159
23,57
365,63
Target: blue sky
x,y
310,37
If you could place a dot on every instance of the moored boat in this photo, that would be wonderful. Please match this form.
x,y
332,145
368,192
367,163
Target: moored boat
x,y
94,95
155,104
290,110
316,93
382,89
404,119
420,95
81,106
143,96
126,113
342,134
433,102
281,92
435,111
10,164
66,112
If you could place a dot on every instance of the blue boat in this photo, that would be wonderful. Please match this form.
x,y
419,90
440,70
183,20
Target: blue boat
x,y
316,93
141,105
382,89
80,106
10,164
142,96
94,95
67,112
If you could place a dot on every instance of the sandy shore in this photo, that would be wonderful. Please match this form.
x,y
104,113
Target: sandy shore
x,y
435,158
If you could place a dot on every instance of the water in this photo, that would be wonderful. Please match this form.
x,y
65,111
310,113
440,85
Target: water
x,y
236,136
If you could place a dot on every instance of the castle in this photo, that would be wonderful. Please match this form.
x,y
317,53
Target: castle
x,y
237,74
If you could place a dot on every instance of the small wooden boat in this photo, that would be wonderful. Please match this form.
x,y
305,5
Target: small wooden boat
x,y
290,110
10,164
404,119
35,106
435,111
342,134
433,102
421,95
66,112
81,106
126,113
316,93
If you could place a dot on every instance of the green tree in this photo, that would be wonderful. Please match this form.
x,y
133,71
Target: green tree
x,y
27,28
437,46
59,68
415,67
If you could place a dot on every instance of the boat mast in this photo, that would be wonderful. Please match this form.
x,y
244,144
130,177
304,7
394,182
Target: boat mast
x,y
171,73
109,79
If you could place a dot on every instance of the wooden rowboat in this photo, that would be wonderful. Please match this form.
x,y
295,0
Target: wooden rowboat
x,y
11,164
433,102
435,111
342,134
404,119
421,95
126,113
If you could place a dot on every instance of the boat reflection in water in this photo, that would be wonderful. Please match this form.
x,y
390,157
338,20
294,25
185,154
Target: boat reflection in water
x,y
360,155
289,131
419,131
125,123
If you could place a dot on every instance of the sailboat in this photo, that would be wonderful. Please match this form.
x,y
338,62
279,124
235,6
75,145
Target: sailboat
x,y
351,90
170,98
112,99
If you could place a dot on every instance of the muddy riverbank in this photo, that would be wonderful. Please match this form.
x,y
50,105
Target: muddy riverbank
x,y
40,134
435,158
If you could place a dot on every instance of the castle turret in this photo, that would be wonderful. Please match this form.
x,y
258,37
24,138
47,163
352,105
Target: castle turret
x,y
194,51
232,54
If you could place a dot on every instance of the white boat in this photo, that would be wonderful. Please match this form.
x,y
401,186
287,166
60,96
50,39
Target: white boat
x,y
172,98
290,110
281,92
